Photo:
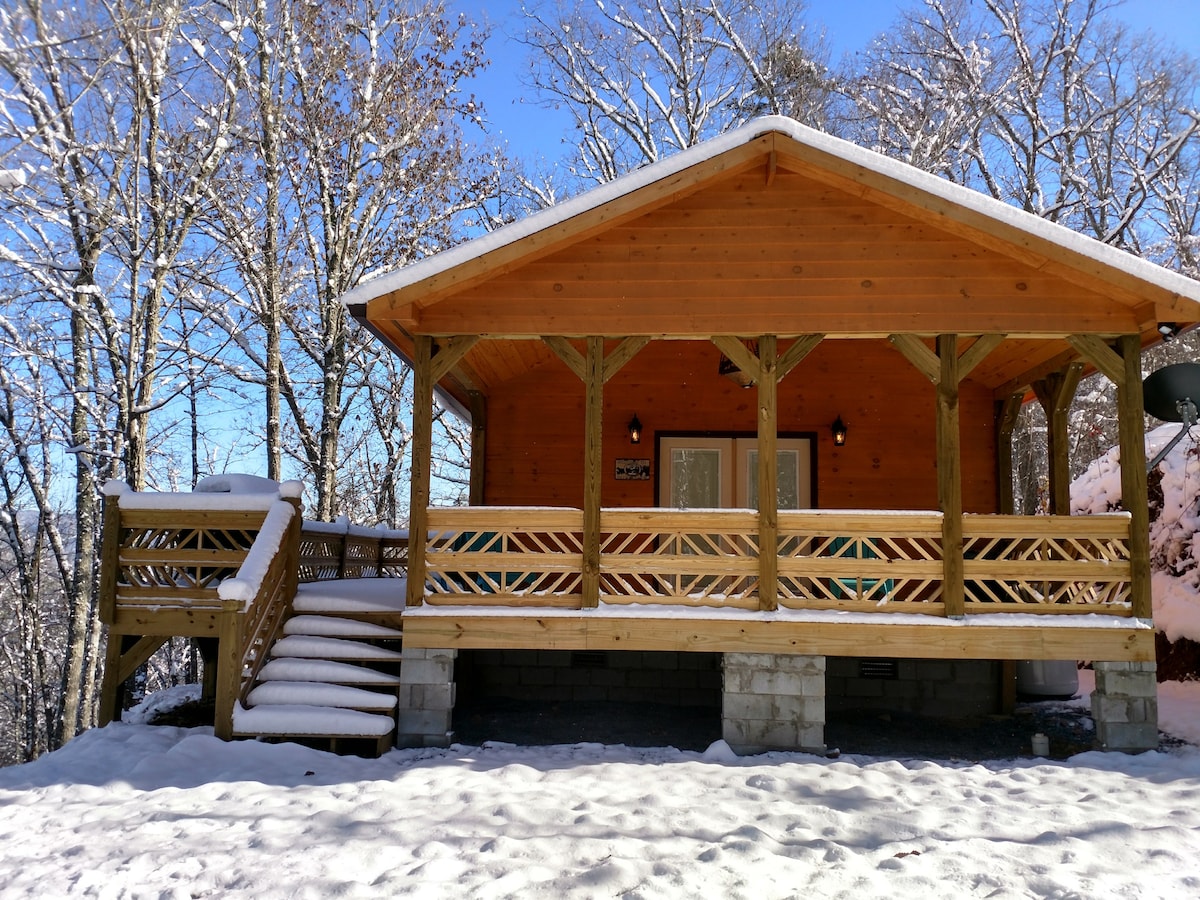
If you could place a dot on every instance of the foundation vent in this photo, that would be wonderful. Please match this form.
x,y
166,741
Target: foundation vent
x,y
879,669
589,659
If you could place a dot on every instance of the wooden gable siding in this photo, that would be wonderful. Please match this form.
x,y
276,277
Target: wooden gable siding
x,y
536,426
796,256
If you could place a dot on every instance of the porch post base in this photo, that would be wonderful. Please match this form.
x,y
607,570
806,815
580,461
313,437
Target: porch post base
x,y
427,693
1125,706
773,702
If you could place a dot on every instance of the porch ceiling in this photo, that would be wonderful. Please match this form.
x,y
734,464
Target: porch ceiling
x,y
778,236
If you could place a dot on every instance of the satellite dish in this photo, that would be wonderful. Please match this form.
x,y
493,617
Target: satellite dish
x,y
1173,395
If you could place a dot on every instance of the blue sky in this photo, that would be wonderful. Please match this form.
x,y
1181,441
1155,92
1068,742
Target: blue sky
x,y
849,25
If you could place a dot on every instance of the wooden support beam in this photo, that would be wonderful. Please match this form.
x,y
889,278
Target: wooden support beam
x,y
737,351
450,353
977,352
592,470
110,559
949,475
772,167
1007,411
1134,495
422,450
478,408
623,353
568,354
1021,382
1106,360
768,474
229,670
110,686
914,350
138,654
882,638
1055,393
793,355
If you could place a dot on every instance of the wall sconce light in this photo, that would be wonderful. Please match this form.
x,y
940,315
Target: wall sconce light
x,y
839,432
635,430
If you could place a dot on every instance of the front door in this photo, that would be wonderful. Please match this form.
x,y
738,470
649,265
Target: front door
x,y
722,473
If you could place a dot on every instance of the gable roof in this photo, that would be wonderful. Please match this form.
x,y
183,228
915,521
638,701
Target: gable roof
x,y
1001,269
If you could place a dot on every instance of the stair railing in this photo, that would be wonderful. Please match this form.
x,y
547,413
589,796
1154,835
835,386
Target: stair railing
x,y
265,586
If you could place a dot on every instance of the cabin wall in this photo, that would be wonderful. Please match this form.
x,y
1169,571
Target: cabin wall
x,y
536,426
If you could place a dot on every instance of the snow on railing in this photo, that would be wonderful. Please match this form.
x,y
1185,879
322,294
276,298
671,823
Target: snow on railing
x,y
248,581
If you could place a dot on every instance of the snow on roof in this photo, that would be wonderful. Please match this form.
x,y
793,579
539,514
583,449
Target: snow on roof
x,y
387,282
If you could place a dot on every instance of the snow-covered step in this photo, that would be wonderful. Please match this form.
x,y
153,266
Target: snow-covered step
x,y
332,626
352,595
309,721
309,693
290,669
308,647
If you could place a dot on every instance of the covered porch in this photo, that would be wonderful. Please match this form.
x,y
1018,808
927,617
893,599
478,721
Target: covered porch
x,y
834,581
838,284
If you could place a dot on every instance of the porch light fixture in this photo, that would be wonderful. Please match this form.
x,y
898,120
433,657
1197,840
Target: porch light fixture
x,y
839,432
730,370
635,430
1168,330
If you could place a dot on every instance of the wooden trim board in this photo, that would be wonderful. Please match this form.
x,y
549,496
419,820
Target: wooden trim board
x,y
596,632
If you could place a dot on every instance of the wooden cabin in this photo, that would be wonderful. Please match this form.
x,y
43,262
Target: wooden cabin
x,y
732,305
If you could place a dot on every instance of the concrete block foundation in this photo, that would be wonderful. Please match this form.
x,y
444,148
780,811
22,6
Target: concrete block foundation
x,y
427,694
1125,706
773,702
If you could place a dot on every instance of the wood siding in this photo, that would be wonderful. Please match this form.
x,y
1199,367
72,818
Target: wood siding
x,y
536,426
796,256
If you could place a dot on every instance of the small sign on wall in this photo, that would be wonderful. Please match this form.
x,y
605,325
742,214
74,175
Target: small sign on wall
x,y
633,470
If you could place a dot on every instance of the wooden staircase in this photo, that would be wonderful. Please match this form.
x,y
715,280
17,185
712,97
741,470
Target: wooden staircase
x,y
299,621
329,681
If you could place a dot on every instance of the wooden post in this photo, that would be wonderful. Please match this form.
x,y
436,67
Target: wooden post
x,y
1134,496
229,668
592,461
478,446
1055,393
1006,422
110,686
949,475
110,559
768,474
291,569
422,449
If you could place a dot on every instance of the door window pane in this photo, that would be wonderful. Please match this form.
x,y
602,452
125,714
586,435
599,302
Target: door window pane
x,y
695,479
787,474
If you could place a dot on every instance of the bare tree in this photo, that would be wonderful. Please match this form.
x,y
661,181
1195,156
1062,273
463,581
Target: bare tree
x,y
644,80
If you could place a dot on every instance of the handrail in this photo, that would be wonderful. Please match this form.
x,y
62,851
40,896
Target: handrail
x,y
265,587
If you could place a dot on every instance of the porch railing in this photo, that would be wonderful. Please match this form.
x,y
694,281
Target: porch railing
x,y
827,559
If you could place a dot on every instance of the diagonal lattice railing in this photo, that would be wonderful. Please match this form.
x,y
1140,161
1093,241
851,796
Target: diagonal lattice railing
x,y
833,559
1047,563
501,556
679,557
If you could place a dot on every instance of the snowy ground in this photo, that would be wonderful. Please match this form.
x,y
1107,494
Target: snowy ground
x,y
156,812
